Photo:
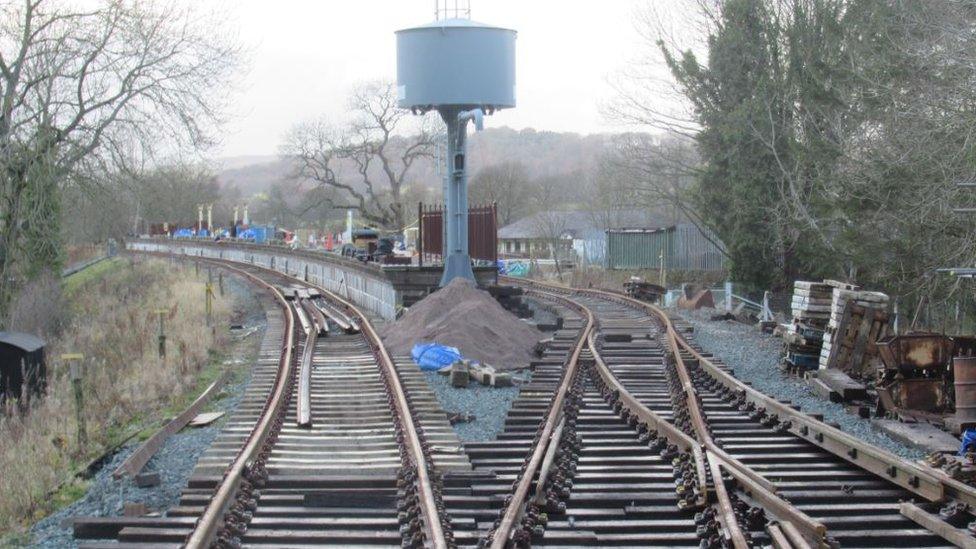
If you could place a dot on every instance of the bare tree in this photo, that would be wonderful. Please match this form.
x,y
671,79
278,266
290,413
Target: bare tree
x,y
551,225
505,184
380,145
85,88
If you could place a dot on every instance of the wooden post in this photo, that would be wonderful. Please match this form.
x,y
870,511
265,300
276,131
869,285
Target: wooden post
x,y
767,314
896,317
75,369
420,234
209,291
161,334
664,276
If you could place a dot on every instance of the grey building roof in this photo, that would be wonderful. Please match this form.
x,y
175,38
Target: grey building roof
x,y
25,342
580,224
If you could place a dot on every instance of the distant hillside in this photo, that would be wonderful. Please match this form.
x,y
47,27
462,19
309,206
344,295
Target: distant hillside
x,y
543,153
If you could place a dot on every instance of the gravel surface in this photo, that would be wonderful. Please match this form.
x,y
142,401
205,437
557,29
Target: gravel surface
x,y
755,358
488,405
176,460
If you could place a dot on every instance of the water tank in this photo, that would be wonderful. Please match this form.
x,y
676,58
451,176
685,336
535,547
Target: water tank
x,y
456,62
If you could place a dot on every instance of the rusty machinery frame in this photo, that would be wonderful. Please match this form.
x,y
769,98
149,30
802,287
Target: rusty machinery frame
x,y
929,483
209,523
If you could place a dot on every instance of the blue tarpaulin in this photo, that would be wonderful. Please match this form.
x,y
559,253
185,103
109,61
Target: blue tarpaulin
x,y
434,356
513,268
968,442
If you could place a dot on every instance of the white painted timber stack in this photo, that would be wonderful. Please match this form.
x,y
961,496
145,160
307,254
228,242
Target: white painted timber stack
x,y
839,300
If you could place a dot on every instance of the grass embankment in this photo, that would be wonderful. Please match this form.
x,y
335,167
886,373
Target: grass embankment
x,y
97,271
127,387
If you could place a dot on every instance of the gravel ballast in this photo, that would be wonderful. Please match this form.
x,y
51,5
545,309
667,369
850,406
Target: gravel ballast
x,y
488,405
178,456
755,358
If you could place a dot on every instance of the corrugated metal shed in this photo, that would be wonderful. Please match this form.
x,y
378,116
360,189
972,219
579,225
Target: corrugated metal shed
x,y
639,248
685,248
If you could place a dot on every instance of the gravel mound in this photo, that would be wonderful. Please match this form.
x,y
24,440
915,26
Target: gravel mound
x,y
755,357
462,316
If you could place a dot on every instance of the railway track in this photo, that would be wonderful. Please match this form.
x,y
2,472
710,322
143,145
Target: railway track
x,y
787,478
627,435
330,446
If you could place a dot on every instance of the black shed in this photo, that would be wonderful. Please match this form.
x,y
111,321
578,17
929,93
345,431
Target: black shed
x,y
21,361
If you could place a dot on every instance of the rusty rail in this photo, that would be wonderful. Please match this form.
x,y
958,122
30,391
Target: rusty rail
x,y
929,483
206,528
357,320
209,523
662,426
304,410
520,496
138,459
762,490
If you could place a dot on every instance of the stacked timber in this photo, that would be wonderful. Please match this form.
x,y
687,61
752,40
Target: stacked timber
x,y
804,337
848,309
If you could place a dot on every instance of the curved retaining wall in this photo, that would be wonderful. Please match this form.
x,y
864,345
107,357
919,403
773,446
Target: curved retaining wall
x,y
365,285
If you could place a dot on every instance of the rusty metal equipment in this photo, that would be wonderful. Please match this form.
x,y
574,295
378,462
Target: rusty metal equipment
x,y
928,375
964,372
915,376
482,232
638,288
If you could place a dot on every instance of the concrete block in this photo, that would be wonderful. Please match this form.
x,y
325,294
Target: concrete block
x,y
147,480
921,435
501,379
460,374
131,509
824,391
843,384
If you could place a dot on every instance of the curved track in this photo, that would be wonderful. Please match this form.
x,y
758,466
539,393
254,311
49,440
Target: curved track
x,y
788,478
326,449
627,435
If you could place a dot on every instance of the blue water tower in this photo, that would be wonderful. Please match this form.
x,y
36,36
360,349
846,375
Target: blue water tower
x,y
464,70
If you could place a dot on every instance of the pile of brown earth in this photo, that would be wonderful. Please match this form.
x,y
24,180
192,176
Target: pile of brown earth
x,y
460,315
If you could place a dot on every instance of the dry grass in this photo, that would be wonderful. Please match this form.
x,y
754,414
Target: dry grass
x,y
112,323
597,277
82,252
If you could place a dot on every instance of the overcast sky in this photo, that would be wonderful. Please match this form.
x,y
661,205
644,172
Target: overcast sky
x,y
305,55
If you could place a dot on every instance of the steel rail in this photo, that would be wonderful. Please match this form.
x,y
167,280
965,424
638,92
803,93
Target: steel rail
x,y
318,318
516,505
303,414
761,489
540,493
654,421
726,510
428,503
701,424
918,478
205,530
